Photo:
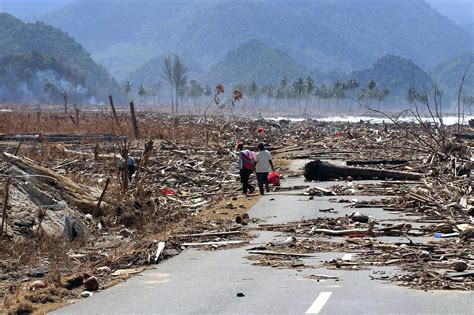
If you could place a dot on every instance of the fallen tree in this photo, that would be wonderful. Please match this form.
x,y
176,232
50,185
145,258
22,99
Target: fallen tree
x,y
324,171
82,197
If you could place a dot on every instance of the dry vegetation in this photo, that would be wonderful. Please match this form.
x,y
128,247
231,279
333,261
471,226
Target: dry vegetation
x,y
183,187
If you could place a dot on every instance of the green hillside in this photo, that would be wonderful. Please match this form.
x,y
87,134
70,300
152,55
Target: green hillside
x,y
254,61
327,35
395,73
448,76
18,38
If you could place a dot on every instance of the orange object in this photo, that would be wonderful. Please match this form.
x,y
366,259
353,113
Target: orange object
x,y
274,178
260,130
338,133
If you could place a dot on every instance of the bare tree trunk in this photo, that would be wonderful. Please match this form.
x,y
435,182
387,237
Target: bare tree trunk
x,y
134,120
459,98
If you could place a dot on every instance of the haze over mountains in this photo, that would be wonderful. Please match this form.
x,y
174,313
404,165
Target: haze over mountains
x,y
239,41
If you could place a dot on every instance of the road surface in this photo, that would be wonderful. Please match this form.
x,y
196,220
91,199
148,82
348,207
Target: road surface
x,y
208,282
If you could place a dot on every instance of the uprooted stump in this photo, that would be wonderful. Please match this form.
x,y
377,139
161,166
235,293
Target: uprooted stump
x,y
324,171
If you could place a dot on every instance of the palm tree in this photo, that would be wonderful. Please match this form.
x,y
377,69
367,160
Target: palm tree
x,y
310,86
299,88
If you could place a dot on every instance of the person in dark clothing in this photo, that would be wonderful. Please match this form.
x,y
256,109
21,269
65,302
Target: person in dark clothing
x,y
246,166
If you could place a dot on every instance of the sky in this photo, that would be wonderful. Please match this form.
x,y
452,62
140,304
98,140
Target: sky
x,y
460,11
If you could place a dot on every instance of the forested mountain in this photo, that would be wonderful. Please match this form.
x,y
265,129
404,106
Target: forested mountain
x,y
255,61
325,34
395,73
35,77
448,76
54,48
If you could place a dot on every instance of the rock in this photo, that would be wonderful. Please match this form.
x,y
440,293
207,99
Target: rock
x,y
240,294
234,198
241,206
74,228
73,281
125,232
89,217
86,294
91,284
38,284
229,205
359,217
245,216
460,266
24,223
238,219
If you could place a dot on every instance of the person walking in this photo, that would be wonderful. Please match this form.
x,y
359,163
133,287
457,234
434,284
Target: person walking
x,y
263,165
246,167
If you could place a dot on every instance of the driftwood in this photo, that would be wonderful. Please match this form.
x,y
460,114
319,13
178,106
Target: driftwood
x,y
376,162
209,234
323,171
213,243
264,252
465,136
63,138
80,196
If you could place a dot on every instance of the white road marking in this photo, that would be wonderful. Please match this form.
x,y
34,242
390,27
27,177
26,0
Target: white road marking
x,y
347,257
319,303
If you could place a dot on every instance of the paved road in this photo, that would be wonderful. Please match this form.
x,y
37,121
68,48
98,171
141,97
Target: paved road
x,y
207,282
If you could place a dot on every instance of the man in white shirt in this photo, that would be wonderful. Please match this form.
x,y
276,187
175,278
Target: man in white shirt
x,y
263,165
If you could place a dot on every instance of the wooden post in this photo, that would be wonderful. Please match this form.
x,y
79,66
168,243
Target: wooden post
x,y
114,113
97,211
134,120
18,148
77,117
5,204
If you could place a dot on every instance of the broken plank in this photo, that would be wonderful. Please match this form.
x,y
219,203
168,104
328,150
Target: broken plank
x,y
264,252
213,243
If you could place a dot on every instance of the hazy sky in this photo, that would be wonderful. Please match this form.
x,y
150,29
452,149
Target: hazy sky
x,y
460,11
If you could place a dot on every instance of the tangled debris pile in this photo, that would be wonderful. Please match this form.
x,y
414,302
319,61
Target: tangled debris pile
x,y
67,212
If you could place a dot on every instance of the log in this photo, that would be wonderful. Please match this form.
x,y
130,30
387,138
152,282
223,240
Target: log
x,y
208,234
324,171
375,162
64,138
84,198
213,243
264,252
464,136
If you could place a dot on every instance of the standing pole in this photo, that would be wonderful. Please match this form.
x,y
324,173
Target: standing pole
x,y
114,113
134,120
5,204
